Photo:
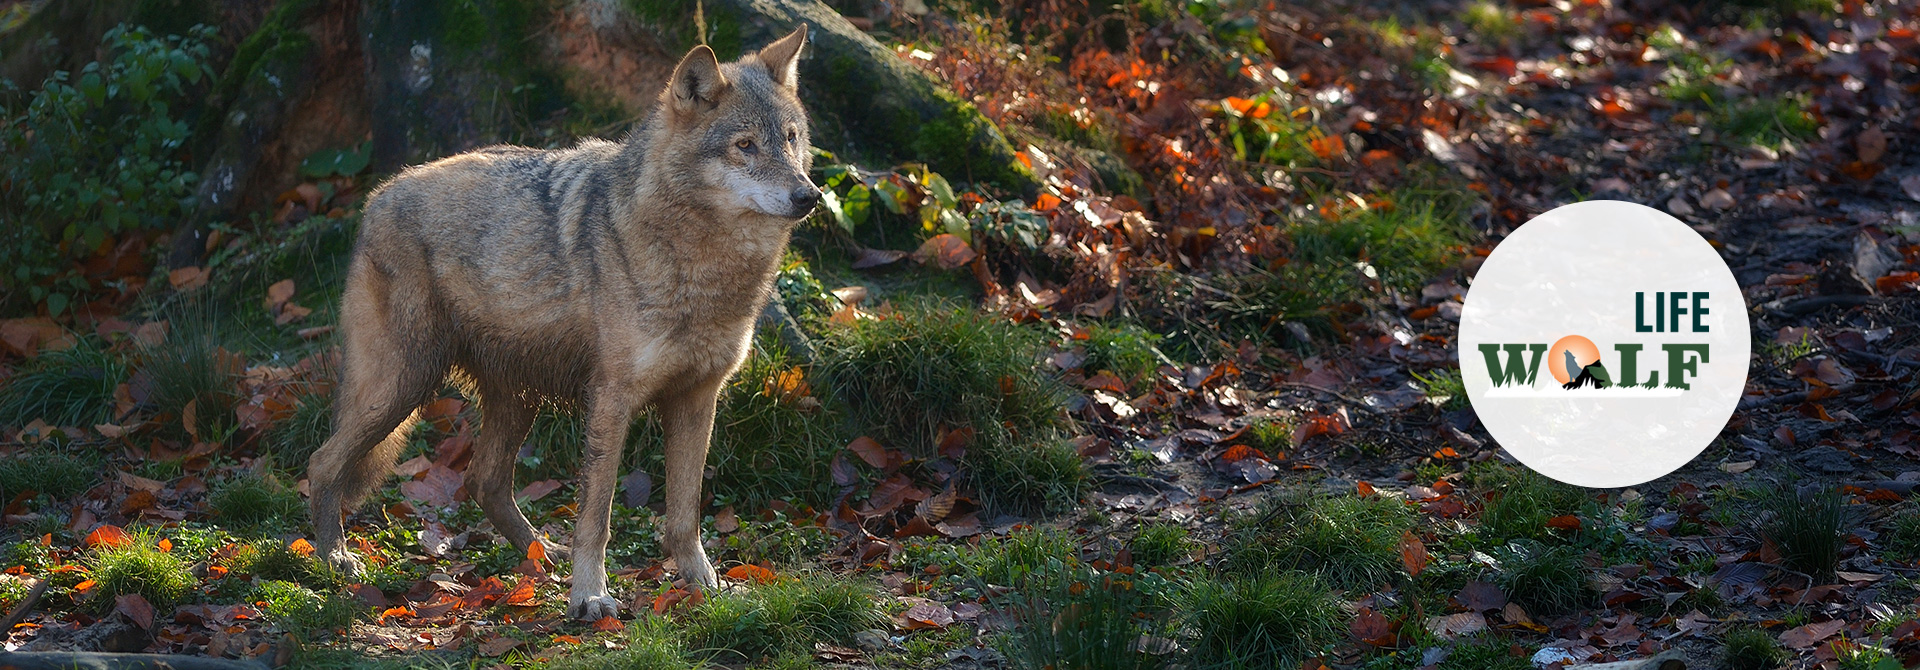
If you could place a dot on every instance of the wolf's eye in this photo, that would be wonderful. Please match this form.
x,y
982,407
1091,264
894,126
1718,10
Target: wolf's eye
x,y
791,136
745,145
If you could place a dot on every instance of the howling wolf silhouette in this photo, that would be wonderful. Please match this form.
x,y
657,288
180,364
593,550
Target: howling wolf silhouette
x,y
1593,375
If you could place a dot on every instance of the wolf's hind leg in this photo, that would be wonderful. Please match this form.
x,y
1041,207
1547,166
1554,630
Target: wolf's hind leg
x,y
373,414
505,418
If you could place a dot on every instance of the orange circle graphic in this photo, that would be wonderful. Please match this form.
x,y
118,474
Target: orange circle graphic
x,y
1584,353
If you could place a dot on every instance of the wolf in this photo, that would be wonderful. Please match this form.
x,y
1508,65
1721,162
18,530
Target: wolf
x,y
610,276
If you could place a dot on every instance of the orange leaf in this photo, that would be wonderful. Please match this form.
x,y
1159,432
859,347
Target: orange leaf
x,y
751,573
82,586
1046,202
166,545
521,595
607,623
1413,554
1446,452
665,601
1240,452
1365,490
109,536
396,611
570,639
537,552
1564,522
301,547
1239,105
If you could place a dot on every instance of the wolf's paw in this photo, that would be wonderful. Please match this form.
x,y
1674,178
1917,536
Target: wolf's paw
x,y
345,563
592,608
699,574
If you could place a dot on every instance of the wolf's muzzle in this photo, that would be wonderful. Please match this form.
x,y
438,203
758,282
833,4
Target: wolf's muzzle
x,y
803,200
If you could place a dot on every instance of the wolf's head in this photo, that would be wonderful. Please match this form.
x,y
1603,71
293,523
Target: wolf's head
x,y
743,128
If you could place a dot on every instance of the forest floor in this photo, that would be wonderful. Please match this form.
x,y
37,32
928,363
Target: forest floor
x,y
1195,404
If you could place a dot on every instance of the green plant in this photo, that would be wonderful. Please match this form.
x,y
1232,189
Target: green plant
x,y
273,560
1860,656
297,609
1088,621
1023,556
1160,544
1768,121
68,387
1351,542
786,615
776,539
1903,538
59,473
1520,503
636,536
1544,579
651,644
1269,621
1444,386
1124,349
1749,648
1027,478
193,379
137,566
1807,525
1491,22
90,157
256,499
294,439
1485,653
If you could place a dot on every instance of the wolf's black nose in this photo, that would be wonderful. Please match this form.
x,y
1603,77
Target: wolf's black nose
x,y
804,198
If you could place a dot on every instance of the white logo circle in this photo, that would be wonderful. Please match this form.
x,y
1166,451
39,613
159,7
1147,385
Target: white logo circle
x,y
1604,344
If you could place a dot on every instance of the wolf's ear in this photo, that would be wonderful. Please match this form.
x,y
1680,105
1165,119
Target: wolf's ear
x,y
782,58
697,81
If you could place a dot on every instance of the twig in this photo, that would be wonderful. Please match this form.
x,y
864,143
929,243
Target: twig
x,y
26,605
1360,404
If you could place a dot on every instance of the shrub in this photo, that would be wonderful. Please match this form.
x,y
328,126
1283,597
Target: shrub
x,y
138,566
59,473
1808,526
93,156
68,387
1749,648
256,500
787,615
1269,621
1544,579
299,610
1352,542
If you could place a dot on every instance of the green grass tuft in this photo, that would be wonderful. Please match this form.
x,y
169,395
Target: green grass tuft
x,y
651,644
299,610
787,615
59,473
1903,538
69,387
192,368
295,438
138,566
1027,478
1807,526
1126,350
256,500
1351,542
1768,121
1087,621
1520,502
1160,544
1269,621
272,560
1028,555
1544,579
1750,648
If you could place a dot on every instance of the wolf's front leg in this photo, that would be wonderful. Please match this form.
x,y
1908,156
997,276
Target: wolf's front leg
x,y
688,420
607,419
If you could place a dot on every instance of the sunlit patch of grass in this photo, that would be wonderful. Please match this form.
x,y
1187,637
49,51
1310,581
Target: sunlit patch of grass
x,y
1124,349
1806,525
778,539
256,499
273,560
1269,621
1492,22
1160,544
138,566
299,610
652,643
1351,542
58,473
1903,537
1444,386
1520,503
1865,656
1749,648
1022,556
69,387
787,615
1343,253
1544,579
1768,121
931,367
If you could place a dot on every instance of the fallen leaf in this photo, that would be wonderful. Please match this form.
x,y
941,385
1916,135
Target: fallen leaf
x,y
928,615
1413,554
136,608
301,547
521,595
537,490
1454,626
608,624
869,450
499,645
1807,636
1870,144
946,251
1372,628
187,279
1481,596
109,536
751,573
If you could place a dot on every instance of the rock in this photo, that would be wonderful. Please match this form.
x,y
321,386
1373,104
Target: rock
x,y
1826,459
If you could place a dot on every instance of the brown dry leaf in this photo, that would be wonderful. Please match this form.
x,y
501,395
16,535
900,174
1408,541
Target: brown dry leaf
x,y
26,337
279,293
1811,634
290,313
499,645
1456,625
928,615
136,608
936,508
946,251
869,450
1413,554
521,595
1372,628
726,521
187,279
1481,596
850,295
1870,145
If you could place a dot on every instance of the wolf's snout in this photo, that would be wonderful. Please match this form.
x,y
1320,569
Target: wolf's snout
x,y
804,198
